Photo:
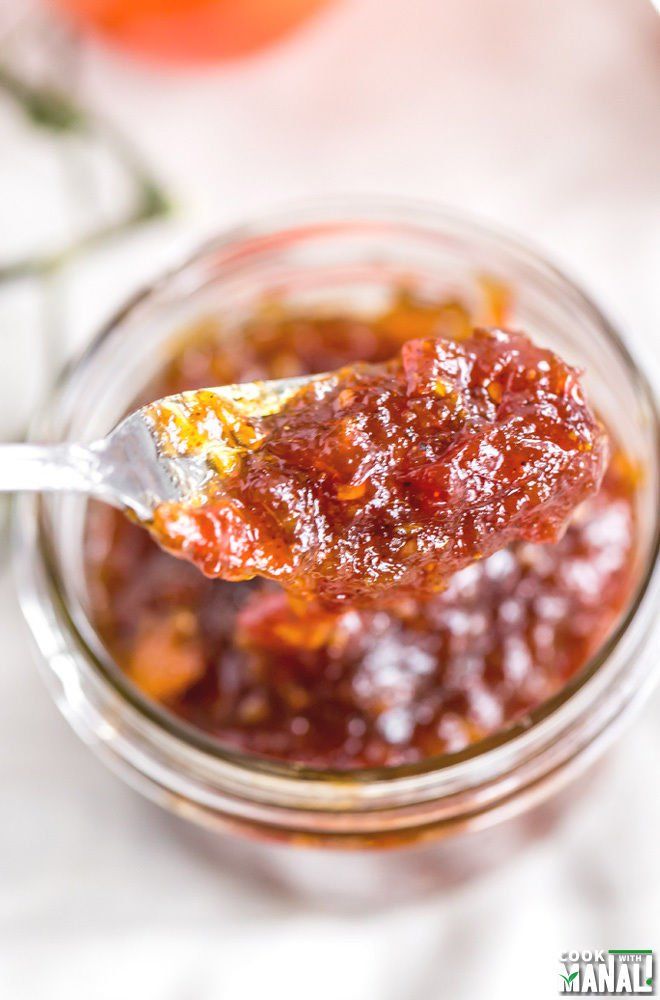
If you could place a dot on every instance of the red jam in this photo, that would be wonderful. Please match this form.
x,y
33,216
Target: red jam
x,y
380,481
346,686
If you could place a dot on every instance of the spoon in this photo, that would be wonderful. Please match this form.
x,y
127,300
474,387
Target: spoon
x,y
168,450
348,484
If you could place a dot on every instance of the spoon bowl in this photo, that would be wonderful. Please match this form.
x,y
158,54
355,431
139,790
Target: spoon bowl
x,y
168,450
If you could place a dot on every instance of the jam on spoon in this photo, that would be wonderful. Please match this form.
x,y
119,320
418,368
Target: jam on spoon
x,y
383,480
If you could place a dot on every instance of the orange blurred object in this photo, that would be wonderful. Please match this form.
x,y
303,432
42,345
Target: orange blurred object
x,y
189,31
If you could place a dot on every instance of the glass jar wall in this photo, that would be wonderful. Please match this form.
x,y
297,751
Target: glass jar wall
x,y
348,258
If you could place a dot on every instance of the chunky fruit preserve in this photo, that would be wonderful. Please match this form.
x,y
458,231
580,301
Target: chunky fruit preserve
x,y
380,481
448,600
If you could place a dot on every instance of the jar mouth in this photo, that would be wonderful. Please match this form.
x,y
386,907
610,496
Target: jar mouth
x,y
538,726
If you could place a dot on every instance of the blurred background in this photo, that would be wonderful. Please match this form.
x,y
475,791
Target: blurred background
x,y
124,144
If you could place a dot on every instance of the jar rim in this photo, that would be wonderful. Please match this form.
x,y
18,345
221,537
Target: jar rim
x,y
538,726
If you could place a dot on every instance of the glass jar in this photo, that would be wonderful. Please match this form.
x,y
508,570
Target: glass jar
x,y
349,256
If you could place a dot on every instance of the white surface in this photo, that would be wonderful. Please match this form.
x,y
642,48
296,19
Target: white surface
x,y
542,116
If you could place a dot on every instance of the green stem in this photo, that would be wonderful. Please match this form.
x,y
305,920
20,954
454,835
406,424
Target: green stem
x,y
51,109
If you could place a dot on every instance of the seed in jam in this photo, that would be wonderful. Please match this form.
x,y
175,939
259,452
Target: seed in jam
x,y
380,481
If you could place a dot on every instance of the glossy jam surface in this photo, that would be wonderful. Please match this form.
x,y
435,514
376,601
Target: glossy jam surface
x,y
346,687
380,481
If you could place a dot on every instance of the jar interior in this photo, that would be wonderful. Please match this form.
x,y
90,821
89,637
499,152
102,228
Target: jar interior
x,y
347,268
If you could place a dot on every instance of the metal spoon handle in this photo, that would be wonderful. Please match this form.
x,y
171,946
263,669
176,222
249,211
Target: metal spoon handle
x,y
36,467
